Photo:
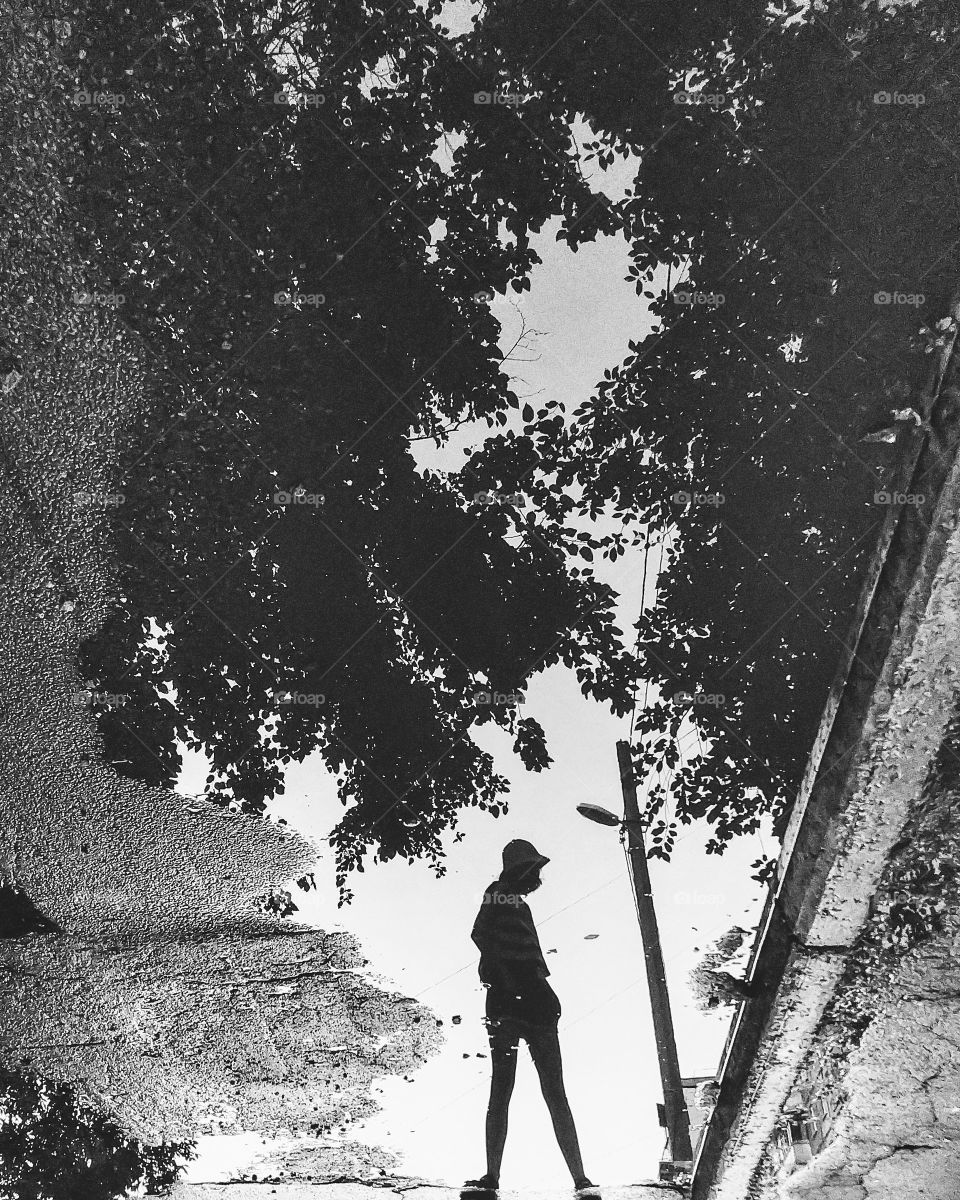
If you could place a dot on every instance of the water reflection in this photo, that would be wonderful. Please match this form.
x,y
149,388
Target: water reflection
x,y
520,1006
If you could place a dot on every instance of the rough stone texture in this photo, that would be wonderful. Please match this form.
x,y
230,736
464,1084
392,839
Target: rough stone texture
x,y
899,1134
167,996
804,992
910,715
85,378
185,1038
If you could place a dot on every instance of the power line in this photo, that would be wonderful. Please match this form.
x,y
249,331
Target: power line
x,y
643,598
636,647
540,924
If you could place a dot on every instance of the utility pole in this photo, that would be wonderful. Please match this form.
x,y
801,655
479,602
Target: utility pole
x,y
677,1121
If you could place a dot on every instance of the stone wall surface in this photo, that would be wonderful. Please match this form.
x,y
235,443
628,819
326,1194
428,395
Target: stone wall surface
x,y
899,1133
275,1033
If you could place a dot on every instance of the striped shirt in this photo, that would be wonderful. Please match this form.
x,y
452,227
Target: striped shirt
x,y
506,936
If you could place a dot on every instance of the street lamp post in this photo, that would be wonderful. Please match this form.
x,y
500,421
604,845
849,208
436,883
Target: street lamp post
x,y
677,1119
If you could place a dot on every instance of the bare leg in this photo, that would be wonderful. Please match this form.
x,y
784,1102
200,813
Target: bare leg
x,y
545,1050
503,1057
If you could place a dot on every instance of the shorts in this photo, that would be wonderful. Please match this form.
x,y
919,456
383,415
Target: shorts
x,y
505,1035
532,1015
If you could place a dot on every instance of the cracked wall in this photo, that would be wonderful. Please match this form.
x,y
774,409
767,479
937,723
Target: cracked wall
x,y
899,1133
890,1041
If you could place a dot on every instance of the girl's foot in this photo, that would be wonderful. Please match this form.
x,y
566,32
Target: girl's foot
x,y
583,1184
486,1183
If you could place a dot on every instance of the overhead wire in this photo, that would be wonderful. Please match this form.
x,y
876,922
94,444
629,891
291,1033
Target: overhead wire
x,y
636,646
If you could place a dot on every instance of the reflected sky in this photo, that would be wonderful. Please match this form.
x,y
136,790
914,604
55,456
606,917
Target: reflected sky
x,y
416,929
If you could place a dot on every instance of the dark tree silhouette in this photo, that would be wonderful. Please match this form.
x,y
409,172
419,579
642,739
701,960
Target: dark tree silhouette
x,y
787,168
308,209
306,326
53,1146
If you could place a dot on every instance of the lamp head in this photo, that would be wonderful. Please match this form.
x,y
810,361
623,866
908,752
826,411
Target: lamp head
x,y
602,816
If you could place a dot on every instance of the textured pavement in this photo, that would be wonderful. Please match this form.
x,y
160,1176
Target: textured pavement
x,y
410,1189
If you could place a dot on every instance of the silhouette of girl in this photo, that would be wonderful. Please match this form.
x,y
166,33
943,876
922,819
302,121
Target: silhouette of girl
x,y
520,1004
